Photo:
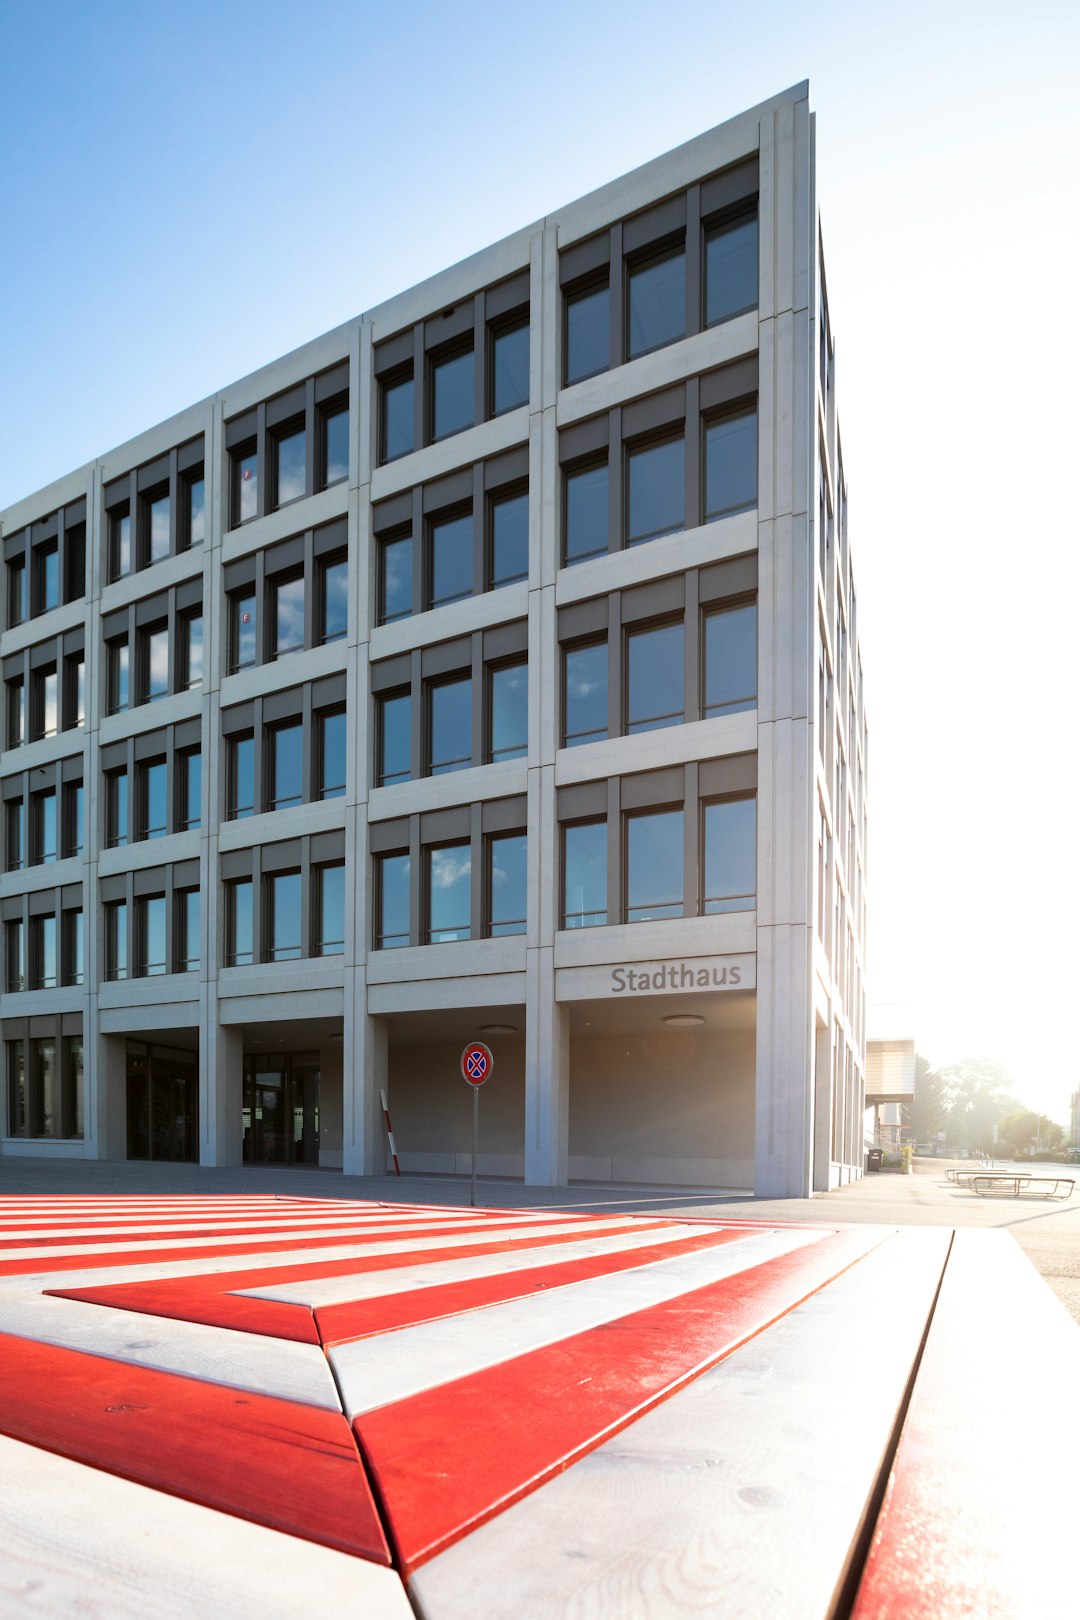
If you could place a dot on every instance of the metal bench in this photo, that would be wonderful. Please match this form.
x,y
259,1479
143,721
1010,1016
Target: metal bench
x,y
1016,1183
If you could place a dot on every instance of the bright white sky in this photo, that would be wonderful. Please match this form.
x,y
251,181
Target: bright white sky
x,y
189,190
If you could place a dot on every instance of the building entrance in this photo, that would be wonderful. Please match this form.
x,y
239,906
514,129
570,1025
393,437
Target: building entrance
x,y
281,1109
162,1102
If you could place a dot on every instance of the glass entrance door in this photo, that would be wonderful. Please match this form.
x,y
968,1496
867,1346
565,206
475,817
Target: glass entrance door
x,y
281,1109
162,1102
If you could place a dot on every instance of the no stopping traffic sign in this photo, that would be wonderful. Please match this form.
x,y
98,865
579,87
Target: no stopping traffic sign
x,y
476,1063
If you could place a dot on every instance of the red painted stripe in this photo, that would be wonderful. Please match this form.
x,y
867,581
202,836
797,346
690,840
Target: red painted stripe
x,y
276,1462
968,1527
359,1319
451,1457
304,1232
212,1300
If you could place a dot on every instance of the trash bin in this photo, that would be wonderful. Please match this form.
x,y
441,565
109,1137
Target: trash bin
x,y
873,1158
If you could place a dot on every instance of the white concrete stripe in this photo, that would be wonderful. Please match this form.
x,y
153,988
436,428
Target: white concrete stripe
x,y
76,1542
391,1366
251,1361
253,1225
318,1291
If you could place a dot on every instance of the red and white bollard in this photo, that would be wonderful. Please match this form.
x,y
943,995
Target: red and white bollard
x,y
390,1133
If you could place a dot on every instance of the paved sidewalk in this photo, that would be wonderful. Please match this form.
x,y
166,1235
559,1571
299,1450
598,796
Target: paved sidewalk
x,y
1048,1233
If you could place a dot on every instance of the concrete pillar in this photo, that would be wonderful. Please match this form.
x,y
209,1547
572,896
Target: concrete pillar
x,y
366,1074
110,1095
547,1075
221,1094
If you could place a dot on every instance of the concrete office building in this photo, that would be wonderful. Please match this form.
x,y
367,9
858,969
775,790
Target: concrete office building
x,y
486,667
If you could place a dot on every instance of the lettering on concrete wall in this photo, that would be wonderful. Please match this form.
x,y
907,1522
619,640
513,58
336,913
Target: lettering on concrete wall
x,y
675,976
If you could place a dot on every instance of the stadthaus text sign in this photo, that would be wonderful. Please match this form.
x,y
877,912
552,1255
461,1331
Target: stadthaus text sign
x,y
683,975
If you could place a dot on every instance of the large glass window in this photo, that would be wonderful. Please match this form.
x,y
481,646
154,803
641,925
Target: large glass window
x,y
336,446
18,606
189,789
189,915
655,678
238,949
656,302
510,712
654,865
331,731
397,418
155,806
291,467
242,778
244,643
288,609
44,1086
585,694
453,394
588,333
510,539
396,578
73,1085
15,949
116,940
247,486
587,512
116,809
157,527
44,830
76,691
156,654
331,894
50,707
283,933
121,544
510,368
74,802
392,926
451,726
192,632
72,947
451,559
730,660
449,893
44,952
730,865
731,269
153,953
507,884
16,714
730,464
333,600
119,661
16,835
196,512
49,576
286,766
395,738
656,490
585,874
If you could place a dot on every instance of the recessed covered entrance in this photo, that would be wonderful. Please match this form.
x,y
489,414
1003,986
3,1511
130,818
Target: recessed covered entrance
x,y
281,1108
162,1101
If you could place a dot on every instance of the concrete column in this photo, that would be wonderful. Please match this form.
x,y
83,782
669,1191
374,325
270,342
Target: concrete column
x,y
221,1090
110,1055
547,1075
366,1074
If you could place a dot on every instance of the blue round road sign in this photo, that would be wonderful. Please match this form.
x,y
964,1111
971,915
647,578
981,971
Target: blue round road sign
x,y
476,1063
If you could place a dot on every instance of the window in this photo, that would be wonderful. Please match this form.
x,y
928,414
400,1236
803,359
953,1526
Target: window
x,y
189,789
330,890
290,470
730,464
116,940
242,632
730,661
588,332
43,828
286,766
731,269
154,799
156,542
71,947
396,578
395,738
585,694
47,715
46,579
585,874
656,490
654,865
453,393
155,663
16,835
120,543
119,678
655,678
509,539
510,368
335,464
44,1088
15,949
392,902
191,649
241,778
116,809
656,302
18,604
450,712
74,691
451,559
331,737
730,864
16,714
449,893
188,915
150,925
245,486
74,800
587,512
397,417
195,495
283,923
509,718
238,949
333,600
507,884
287,607
43,952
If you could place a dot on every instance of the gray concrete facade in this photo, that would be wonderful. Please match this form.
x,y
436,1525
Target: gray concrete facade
x,y
764,1090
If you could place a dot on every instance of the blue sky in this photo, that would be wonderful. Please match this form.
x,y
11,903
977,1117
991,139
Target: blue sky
x,y
189,190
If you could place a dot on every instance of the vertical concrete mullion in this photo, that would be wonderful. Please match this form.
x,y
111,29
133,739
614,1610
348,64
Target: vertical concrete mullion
x,y
616,481
311,583
479,701
308,906
480,360
309,748
477,883
311,437
615,863
694,309
691,841
418,718
174,501
260,943
616,706
261,787
420,387
417,885
616,297
420,568
262,451
692,455
479,517
692,647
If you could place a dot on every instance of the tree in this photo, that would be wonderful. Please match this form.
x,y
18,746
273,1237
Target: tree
x,y
979,1092
1018,1132
929,1106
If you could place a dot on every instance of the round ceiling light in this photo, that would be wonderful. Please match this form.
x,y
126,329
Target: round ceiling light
x,y
498,1029
684,1020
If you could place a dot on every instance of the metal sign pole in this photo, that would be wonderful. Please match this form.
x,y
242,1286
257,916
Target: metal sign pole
x,y
475,1133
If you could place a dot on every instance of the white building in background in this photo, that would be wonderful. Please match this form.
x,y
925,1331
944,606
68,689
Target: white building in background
x,y
486,667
